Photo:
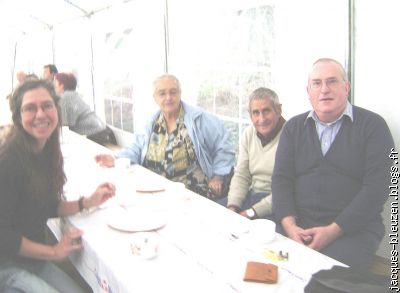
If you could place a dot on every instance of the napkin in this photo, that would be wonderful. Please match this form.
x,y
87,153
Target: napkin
x,y
261,272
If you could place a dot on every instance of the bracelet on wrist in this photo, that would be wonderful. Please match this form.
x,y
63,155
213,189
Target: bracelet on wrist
x,y
80,204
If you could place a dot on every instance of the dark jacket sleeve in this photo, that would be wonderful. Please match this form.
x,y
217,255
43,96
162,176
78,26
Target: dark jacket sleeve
x,y
283,176
368,203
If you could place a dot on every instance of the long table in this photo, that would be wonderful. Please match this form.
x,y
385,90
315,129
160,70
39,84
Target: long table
x,y
202,246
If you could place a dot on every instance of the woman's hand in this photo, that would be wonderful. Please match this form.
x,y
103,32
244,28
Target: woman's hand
x,y
69,242
105,160
103,192
215,184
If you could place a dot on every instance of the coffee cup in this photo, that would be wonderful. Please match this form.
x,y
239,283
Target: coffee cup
x,y
262,230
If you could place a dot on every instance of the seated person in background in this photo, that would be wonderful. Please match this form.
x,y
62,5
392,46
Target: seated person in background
x,y
250,189
331,173
32,180
49,71
182,143
77,114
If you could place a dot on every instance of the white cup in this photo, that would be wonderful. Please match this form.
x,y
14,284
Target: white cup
x,y
122,163
144,245
262,230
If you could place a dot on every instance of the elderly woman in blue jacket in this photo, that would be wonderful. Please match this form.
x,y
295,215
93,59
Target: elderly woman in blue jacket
x,y
182,143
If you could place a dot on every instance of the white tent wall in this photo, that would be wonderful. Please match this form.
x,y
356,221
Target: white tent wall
x,y
32,50
377,61
73,53
7,67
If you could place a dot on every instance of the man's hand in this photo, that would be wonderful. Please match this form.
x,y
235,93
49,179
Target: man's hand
x,y
234,209
293,231
321,237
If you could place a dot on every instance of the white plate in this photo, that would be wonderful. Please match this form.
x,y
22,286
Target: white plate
x,y
135,220
147,186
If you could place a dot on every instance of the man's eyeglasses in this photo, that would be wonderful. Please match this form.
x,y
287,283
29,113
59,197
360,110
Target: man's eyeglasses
x,y
316,84
31,109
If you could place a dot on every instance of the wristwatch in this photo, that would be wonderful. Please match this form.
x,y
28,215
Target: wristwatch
x,y
250,213
80,204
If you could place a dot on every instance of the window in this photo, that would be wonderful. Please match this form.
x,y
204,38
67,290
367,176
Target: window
x,y
223,50
129,53
220,50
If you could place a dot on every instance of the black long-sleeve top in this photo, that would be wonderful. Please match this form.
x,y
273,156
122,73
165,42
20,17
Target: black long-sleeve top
x,y
22,214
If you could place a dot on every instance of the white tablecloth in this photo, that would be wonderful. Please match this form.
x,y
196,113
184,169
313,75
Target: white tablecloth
x,y
196,249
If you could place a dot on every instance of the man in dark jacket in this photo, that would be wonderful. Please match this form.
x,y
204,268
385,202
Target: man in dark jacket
x,y
331,173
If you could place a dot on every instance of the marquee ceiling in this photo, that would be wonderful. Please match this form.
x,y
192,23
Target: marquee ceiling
x,y
23,16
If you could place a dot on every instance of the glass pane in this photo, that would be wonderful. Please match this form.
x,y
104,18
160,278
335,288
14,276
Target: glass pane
x,y
127,117
117,114
108,111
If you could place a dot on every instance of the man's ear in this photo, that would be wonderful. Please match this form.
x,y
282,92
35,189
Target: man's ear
x,y
279,109
308,90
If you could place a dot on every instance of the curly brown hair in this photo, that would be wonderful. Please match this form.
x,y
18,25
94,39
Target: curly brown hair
x,y
22,142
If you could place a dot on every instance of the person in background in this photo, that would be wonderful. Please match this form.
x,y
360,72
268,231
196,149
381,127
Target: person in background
x,y
31,76
77,114
49,71
21,76
32,180
182,143
250,189
331,173
5,113
5,119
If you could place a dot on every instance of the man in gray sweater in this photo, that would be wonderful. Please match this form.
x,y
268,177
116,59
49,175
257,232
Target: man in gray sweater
x,y
331,173
250,188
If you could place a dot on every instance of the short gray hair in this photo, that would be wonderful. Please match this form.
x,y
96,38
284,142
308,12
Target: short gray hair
x,y
328,60
264,93
166,76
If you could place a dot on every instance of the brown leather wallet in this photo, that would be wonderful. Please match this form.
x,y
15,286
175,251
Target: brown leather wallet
x,y
261,272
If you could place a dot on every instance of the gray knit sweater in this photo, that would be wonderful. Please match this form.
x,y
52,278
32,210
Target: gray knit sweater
x,y
78,116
